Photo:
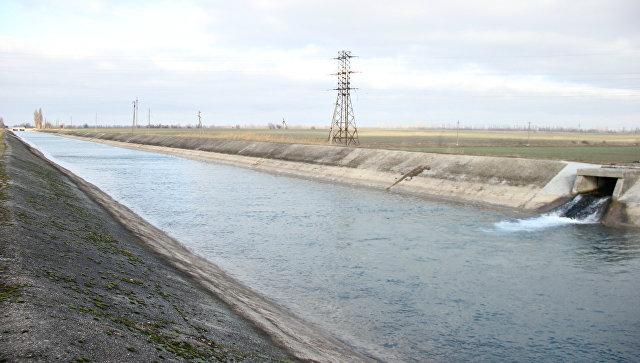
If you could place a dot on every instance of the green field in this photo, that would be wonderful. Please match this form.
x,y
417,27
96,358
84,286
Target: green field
x,y
587,154
586,147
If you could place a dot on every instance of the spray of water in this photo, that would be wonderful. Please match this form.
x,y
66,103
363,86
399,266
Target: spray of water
x,y
583,209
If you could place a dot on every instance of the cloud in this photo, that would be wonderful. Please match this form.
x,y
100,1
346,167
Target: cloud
x,y
95,29
274,57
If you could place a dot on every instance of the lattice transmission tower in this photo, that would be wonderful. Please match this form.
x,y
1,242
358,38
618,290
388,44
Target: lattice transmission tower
x,y
343,124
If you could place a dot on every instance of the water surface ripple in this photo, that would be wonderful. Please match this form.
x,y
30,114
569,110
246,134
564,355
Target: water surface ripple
x,y
403,278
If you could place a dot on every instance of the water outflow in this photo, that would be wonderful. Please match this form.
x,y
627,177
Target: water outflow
x,y
582,209
587,208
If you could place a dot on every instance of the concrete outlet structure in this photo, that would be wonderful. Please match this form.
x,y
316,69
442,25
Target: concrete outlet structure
x,y
607,181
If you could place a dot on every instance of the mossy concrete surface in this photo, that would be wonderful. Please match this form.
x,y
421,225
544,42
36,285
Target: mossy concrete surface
x,y
75,285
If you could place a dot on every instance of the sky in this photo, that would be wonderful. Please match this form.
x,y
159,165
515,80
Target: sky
x,y
252,62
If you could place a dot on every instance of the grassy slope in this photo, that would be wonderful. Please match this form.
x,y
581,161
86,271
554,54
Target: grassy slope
x,y
4,213
585,147
77,286
7,290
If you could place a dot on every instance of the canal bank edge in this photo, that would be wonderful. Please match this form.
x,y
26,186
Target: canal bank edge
x,y
525,184
303,340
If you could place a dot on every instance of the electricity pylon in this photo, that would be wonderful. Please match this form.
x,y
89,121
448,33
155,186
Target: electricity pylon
x,y
343,124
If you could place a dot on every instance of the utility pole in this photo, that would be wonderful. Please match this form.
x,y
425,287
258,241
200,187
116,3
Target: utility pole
x,y
135,115
96,123
458,134
343,124
528,133
137,109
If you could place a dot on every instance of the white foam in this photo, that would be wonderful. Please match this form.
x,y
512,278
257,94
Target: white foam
x,y
542,222
554,218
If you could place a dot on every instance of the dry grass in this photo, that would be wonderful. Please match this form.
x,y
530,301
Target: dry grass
x,y
586,147
300,136
1,142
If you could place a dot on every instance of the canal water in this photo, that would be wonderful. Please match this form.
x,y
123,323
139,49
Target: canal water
x,y
402,278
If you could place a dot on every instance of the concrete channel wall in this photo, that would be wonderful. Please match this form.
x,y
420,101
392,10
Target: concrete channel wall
x,y
526,184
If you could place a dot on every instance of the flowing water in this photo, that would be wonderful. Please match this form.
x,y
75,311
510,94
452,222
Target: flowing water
x,y
401,278
582,209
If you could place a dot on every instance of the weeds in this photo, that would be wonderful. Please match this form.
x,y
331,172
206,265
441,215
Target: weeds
x,y
107,243
8,292
5,215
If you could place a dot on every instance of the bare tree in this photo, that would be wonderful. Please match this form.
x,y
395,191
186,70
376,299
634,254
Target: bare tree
x,y
38,118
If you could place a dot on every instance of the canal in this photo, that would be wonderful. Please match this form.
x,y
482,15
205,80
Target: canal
x,y
402,278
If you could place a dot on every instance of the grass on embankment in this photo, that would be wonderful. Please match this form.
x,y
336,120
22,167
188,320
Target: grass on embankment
x,y
4,180
8,291
75,285
574,146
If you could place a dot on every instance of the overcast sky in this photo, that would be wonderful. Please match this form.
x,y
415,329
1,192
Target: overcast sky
x,y
422,63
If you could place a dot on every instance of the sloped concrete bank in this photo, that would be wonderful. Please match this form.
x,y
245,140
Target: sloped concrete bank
x,y
526,184
301,339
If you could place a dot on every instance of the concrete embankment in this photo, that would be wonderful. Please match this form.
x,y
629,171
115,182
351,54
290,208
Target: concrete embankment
x,y
84,278
526,184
